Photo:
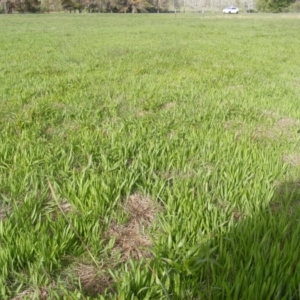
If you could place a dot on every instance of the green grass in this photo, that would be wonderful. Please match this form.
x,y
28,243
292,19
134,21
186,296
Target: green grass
x,y
202,115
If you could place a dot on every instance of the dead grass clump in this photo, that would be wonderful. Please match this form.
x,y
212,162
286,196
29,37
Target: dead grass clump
x,y
287,123
292,159
62,131
238,215
139,113
93,282
33,294
168,105
269,114
141,209
284,127
54,209
266,133
184,175
4,211
29,293
65,206
237,127
232,124
130,239
275,207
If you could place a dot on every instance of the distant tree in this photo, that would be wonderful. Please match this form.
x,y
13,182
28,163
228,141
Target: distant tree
x,y
158,5
295,7
138,5
273,5
95,6
9,6
115,5
67,5
32,6
78,6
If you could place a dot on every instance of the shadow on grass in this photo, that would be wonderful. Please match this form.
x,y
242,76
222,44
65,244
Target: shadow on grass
x,y
260,258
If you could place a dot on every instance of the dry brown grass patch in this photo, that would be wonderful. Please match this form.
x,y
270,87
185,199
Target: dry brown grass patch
x,y
130,241
287,123
63,131
184,175
238,215
269,114
232,124
65,206
93,282
285,127
141,113
54,209
293,159
266,133
141,209
4,211
168,105
130,238
32,294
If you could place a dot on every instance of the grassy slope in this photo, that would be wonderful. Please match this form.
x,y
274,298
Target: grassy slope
x,y
200,114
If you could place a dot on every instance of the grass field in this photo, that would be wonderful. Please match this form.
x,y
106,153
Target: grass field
x,y
149,157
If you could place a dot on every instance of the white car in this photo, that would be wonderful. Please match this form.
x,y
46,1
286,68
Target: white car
x,y
231,10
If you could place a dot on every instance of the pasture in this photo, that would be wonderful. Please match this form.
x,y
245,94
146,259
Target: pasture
x,y
149,156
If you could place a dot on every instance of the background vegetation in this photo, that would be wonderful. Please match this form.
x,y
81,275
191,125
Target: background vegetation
x,y
149,157
150,6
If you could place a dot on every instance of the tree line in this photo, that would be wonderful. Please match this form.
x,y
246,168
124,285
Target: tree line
x,y
90,6
140,6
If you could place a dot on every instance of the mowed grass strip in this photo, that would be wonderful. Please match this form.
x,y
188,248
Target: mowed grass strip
x,y
149,156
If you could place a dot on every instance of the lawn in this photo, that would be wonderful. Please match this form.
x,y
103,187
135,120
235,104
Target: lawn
x,y
149,156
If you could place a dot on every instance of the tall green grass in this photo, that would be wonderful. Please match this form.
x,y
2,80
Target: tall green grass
x,y
200,114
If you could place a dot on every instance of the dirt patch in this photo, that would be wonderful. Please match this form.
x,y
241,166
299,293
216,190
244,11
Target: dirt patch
x,y
131,240
292,159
